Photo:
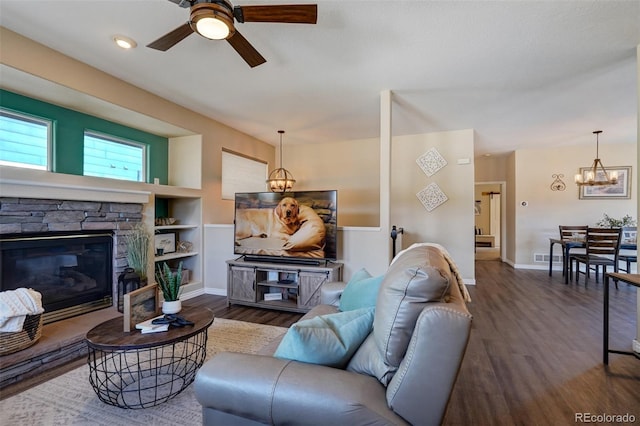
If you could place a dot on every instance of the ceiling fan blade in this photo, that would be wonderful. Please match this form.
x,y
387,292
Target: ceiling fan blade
x,y
169,40
246,50
289,14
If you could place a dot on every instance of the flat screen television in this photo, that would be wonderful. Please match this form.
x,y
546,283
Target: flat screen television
x,y
291,227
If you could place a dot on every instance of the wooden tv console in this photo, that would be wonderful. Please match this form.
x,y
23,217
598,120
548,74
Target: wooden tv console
x,y
284,286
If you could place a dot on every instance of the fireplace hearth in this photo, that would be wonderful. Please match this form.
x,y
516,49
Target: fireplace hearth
x,y
72,270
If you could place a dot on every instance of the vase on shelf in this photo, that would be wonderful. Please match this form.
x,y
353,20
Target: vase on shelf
x,y
171,306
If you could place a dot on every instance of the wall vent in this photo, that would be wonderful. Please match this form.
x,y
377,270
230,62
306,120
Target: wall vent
x,y
544,258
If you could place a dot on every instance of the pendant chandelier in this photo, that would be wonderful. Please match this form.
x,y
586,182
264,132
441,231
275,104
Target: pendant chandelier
x,y
280,180
597,175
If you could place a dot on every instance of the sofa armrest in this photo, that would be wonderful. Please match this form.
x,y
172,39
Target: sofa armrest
x,y
330,293
275,391
421,387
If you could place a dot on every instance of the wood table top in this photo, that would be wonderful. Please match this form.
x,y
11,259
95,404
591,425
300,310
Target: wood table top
x,y
633,279
110,334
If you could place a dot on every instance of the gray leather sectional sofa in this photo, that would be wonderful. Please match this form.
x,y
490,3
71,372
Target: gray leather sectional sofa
x,y
403,372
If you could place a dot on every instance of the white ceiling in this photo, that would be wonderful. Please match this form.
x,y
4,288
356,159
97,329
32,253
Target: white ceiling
x,y
521,73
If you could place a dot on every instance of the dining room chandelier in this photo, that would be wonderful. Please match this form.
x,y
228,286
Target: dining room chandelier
x,y
280,179
597,175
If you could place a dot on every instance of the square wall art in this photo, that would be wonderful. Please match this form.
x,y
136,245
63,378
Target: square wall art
x,y
431,196
431,161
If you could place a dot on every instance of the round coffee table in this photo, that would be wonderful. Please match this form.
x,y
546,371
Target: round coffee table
x,y
135,370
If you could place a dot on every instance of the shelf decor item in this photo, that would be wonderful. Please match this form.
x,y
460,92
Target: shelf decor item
x,y
166,242
137,241
165,221
184,246
169,283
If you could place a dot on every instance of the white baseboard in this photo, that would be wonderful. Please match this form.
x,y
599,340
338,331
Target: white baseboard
x,y
636,346
191,294
216,291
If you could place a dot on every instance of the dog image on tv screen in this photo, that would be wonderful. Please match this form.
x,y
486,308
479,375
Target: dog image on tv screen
x,y
279,225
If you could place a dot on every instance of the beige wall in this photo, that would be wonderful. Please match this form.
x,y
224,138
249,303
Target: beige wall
x,y
352,167
491,169
546,209
451,224
528,175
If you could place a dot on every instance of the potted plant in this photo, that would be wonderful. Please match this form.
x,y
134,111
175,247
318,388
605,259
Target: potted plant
x,y
137,242
610,222
169,283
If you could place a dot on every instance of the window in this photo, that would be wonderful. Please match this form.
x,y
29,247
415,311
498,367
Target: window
x,y
25,141
242,174
110,157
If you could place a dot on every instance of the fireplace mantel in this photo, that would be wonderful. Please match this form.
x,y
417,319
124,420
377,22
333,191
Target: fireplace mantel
x,y
25,183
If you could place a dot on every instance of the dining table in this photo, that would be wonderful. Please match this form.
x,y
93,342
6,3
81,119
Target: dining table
x,y
570,244
631,279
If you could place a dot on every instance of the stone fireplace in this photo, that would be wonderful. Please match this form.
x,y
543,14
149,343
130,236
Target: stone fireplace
x,y
70,251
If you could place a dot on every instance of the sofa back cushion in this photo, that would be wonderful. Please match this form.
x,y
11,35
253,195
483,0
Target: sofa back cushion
x,y
416,277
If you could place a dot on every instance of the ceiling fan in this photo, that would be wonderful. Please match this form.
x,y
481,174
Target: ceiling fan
x,y
214,19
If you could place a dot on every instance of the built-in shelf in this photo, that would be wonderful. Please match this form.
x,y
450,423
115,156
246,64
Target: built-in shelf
x,y
186,207
175,255
178,227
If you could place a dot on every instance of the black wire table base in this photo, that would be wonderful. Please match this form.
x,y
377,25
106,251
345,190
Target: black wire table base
x,y
142,378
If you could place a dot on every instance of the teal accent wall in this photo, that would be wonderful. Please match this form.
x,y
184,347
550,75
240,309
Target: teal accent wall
x,y
68,135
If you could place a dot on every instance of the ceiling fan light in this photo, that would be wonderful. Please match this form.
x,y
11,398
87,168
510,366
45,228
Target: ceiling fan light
x,y
212,20
212,28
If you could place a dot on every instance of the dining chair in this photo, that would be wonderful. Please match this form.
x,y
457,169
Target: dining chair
x,y
574,232
602,249
570,233
628,255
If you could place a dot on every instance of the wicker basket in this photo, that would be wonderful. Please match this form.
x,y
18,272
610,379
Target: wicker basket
x,y
31,332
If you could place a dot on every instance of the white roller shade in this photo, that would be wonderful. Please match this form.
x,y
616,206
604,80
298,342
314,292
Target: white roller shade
x,y
242,174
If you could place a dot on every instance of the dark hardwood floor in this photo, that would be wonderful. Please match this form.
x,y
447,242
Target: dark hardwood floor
x,y
535,351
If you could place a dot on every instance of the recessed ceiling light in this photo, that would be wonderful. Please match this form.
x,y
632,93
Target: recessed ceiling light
x,y
124,42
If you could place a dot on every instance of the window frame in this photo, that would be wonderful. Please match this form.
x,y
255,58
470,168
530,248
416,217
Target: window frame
x,y
118,140
34,119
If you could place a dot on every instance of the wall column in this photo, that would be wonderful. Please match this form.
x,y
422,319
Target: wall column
x,y
385,166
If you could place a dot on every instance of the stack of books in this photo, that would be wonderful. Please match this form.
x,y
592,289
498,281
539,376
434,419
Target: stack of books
x,y
147,326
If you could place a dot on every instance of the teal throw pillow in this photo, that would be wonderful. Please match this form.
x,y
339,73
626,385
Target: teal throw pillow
x,y
361,291
330,339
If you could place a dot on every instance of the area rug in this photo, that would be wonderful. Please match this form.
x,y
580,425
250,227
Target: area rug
x,y
69,399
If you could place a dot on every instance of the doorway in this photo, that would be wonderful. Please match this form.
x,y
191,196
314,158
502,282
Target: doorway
x,y
489,220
